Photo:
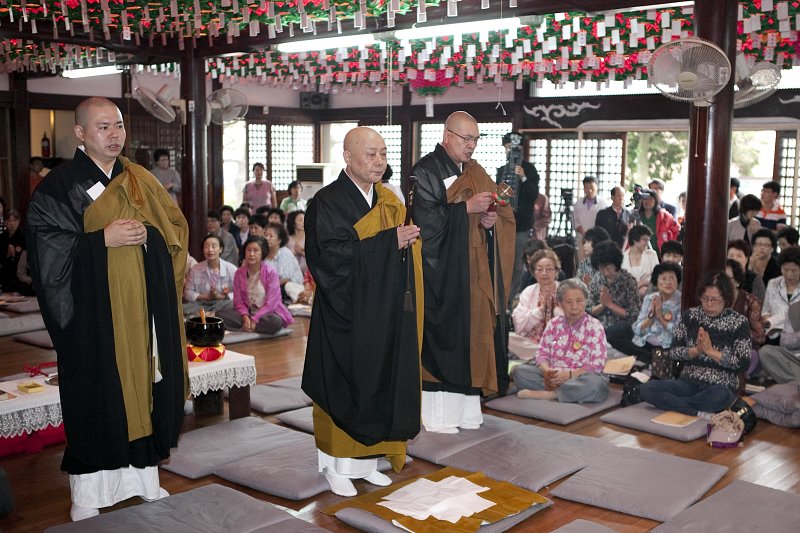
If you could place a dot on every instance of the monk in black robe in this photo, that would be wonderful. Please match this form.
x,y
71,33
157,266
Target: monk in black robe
x,y
107,250
362,359
468,254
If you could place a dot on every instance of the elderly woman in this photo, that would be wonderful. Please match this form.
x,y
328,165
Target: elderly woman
x,y
783,290
639,259
654,328
781,362
713,343
591,238
740,251
614,294
571,356
256,294
537,303
283,260
209,284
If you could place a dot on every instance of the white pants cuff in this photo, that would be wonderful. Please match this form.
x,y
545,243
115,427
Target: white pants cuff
x,y
347,466
108,487
449,410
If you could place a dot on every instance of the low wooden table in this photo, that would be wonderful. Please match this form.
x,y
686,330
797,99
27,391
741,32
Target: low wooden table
x,y
234,370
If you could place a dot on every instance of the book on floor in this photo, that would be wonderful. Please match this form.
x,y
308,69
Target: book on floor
x,y
619,367
677,420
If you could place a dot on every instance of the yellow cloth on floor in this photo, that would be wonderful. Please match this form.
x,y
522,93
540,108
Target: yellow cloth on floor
x,y
509,500
336,443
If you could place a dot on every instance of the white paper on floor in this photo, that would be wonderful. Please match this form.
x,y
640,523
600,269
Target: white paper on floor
x,y
449,499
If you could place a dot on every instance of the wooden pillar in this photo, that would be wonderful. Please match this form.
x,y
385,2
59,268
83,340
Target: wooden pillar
x,y
215,166
710,129
20,191
194,175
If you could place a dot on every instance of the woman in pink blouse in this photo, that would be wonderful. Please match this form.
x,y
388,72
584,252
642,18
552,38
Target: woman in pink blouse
x,y
572,353
256,294
537,303
258,192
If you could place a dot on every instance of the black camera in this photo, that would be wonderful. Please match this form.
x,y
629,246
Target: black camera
x,y
637,193
568,196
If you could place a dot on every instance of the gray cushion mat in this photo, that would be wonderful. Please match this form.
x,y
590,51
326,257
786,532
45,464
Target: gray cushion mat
x,y
780,404
212,508
20,324
555,412
40,338
201,451
434,447
232,337
741,506
641,483
583,526
299,418
272,399
640,417
366,521
530,457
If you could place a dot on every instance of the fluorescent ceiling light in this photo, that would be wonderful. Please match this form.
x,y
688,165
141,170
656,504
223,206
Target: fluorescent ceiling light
x,y
89,72
310,45
459,28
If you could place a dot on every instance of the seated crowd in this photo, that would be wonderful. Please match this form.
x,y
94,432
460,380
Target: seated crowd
x,y
743,327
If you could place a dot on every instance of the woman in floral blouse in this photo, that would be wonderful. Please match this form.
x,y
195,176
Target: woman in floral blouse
x,y
537,303
713,342
614,294
571,356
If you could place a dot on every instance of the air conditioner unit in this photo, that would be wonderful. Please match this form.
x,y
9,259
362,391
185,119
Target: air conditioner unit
x,y
315,176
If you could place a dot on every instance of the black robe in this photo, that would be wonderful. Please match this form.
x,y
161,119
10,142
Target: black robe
x,y
69,272
444,232
362,360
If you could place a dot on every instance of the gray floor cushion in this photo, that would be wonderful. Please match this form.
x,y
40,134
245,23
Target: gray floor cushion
x,y
529,457
232,337
40,338
434,447
583,526
288,383
212,508
299,418
780,404
741,506
30,305
286,466
555,412
641,483
366,521
271,399
640,417
20,324
201,451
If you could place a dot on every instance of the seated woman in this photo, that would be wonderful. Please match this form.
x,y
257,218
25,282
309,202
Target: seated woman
x,y
283,261
748,306
614,295
256,294
295,226
209,283
571,356
654,328
537,303
591,238
740,252
782,291
763,261
713,343
528,278
639,259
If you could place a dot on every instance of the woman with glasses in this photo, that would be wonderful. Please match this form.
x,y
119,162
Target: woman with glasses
x,y
763,261
712,341
537,303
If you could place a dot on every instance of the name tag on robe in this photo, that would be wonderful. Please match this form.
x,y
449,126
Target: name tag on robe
x,y
449,181
96,190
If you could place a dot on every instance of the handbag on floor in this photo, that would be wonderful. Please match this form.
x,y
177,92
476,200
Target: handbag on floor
x,y
663,366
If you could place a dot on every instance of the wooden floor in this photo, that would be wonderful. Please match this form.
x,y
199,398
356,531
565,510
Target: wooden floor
x,y
770,457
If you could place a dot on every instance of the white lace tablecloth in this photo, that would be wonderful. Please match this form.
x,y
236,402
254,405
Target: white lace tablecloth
x,y
29,412
233,370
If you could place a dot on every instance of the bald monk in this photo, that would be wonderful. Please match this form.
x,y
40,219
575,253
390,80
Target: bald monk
x,y
468,254
362,358
107,250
